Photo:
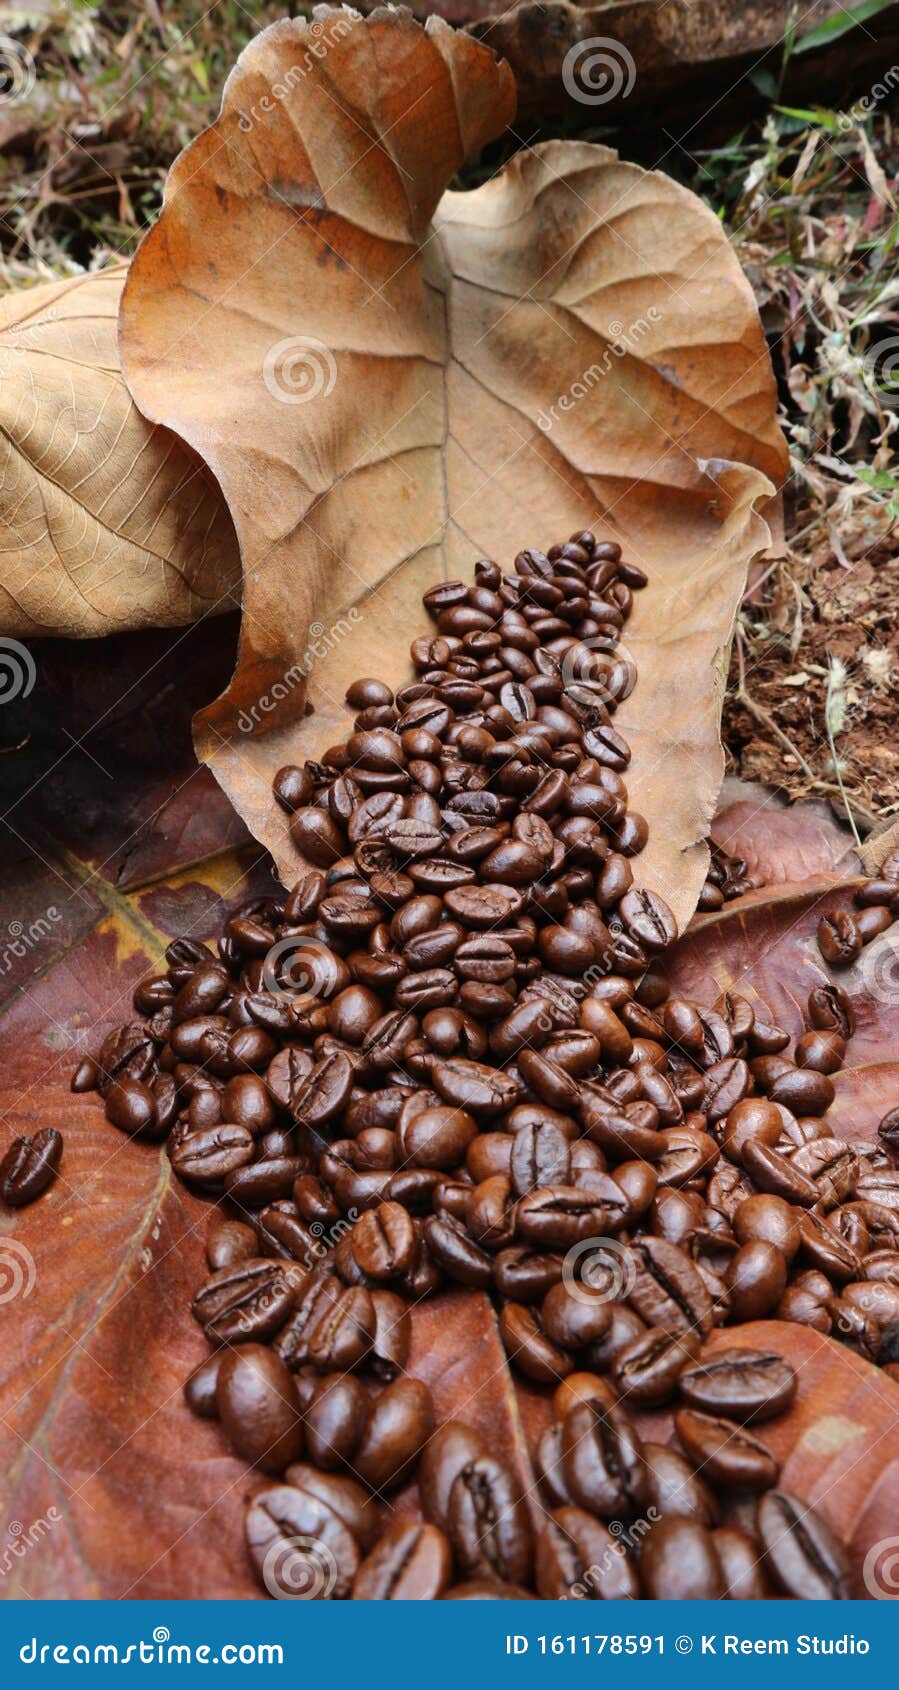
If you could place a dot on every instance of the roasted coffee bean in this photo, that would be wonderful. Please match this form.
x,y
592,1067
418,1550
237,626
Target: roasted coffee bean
x,y
383,1242
342,1335
29,1167
744,1385
725,1456
679,1562
452,1447
205,1158
299,1546
228,1243
456,1253
745,1579
488,1523
674,1488
528,1346
572,1319
258,1407
602,1460
756,1277
647,1370
540,1157
666,1289
334,1420
648,919
839,939
437,1136
392,1340
244,1303
829,1007
776,1174
558,1217
200,1388
399,1424
802,1553
409,1563
577,1558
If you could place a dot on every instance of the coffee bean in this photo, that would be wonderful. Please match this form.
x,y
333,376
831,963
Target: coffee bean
x,y
745,1579
674,1488
577,1558
602,1460
666,1289
488,1523
244,1303
409,1563
802,1553
399,1423
383,1242
839,939
228,1243
258,1408
647,1370
29,1167
200,1388
205,1158
299,1546
334,1420
726,1456
679,1562
744,1385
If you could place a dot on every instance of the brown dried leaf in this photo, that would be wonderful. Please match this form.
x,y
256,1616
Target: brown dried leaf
x,y
571,344
105,521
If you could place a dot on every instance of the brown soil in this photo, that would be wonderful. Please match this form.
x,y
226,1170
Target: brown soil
x,y
825,628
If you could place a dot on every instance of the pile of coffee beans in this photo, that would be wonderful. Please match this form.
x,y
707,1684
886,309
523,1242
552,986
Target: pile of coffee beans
x,y
450,1056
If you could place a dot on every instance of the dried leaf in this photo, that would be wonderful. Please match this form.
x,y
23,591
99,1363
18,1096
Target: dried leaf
x,y
105,521
571,344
